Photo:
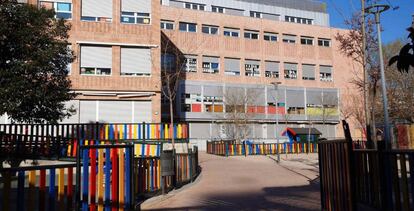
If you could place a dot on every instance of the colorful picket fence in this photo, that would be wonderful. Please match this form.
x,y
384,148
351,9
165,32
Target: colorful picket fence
x,y
229,148
106,177
38,189
101,131
186,166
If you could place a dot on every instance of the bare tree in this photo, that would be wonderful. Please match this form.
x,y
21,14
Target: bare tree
x,y
173,68
352,109
237,102
352,45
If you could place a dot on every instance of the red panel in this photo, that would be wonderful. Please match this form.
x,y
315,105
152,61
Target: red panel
x,y
114,182
195,107
261,109
281,110
251,109
271,109
92,185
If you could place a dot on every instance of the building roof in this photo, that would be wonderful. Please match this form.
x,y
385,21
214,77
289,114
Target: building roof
x,y
307,5
303,131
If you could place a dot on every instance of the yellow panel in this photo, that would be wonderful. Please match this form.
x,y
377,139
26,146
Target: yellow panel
x,y
61,184
100,180
32,179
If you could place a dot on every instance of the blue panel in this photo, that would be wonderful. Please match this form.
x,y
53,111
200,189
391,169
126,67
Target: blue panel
x,y
85,177
52,189
107,180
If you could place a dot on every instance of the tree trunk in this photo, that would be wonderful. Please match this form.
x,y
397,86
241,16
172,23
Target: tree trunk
x,y
172,124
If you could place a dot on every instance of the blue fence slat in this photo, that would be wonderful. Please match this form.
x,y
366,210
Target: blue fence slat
x,y
128,168
85,179
20,191
52,192
107,180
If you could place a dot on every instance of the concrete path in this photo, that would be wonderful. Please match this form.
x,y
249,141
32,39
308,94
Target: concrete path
x,y
247,183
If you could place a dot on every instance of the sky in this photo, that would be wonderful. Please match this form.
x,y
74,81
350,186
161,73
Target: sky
x,y
393,22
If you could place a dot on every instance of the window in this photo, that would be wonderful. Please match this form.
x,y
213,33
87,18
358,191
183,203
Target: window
x,y
325,73
218,9
134,12
324,42
206,29
136,61
298,20
190,102
306,40
211,64
213,104
255,14
188,27
296,110
287,38
271,37
229,32
63,10
254,35
167,25
168,62
231,66
135,18
252,68
97,10
96,60
190,63
269,16
271,69
308,72
291,71
194,6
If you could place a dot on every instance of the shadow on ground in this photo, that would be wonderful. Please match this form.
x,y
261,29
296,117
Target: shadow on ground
x,y
305,197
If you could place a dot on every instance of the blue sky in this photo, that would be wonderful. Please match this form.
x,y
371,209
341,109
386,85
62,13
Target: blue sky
x,y
393,22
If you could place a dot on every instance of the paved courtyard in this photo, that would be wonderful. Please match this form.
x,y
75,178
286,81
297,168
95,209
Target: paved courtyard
x,y
247,183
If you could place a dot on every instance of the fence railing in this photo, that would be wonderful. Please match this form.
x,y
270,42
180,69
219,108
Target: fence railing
x,y
101,131
229,148
361,179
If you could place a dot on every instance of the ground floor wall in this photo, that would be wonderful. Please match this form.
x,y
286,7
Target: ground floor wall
x,y
110,111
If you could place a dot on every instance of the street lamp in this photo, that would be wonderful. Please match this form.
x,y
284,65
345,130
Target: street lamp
x,y
276,85
377,10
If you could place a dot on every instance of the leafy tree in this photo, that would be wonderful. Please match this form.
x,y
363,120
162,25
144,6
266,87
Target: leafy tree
x,y
405,58
33,64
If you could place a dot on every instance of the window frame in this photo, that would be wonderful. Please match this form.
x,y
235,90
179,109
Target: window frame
x,y
253,72
252,35
324,41
288,72
210,27
231,33
289,41
165,23
190,67
255,14
194,6
187,27
217,9
270,35
136,16
306,40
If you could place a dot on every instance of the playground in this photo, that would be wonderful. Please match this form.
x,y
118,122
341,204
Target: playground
x,y
247,183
